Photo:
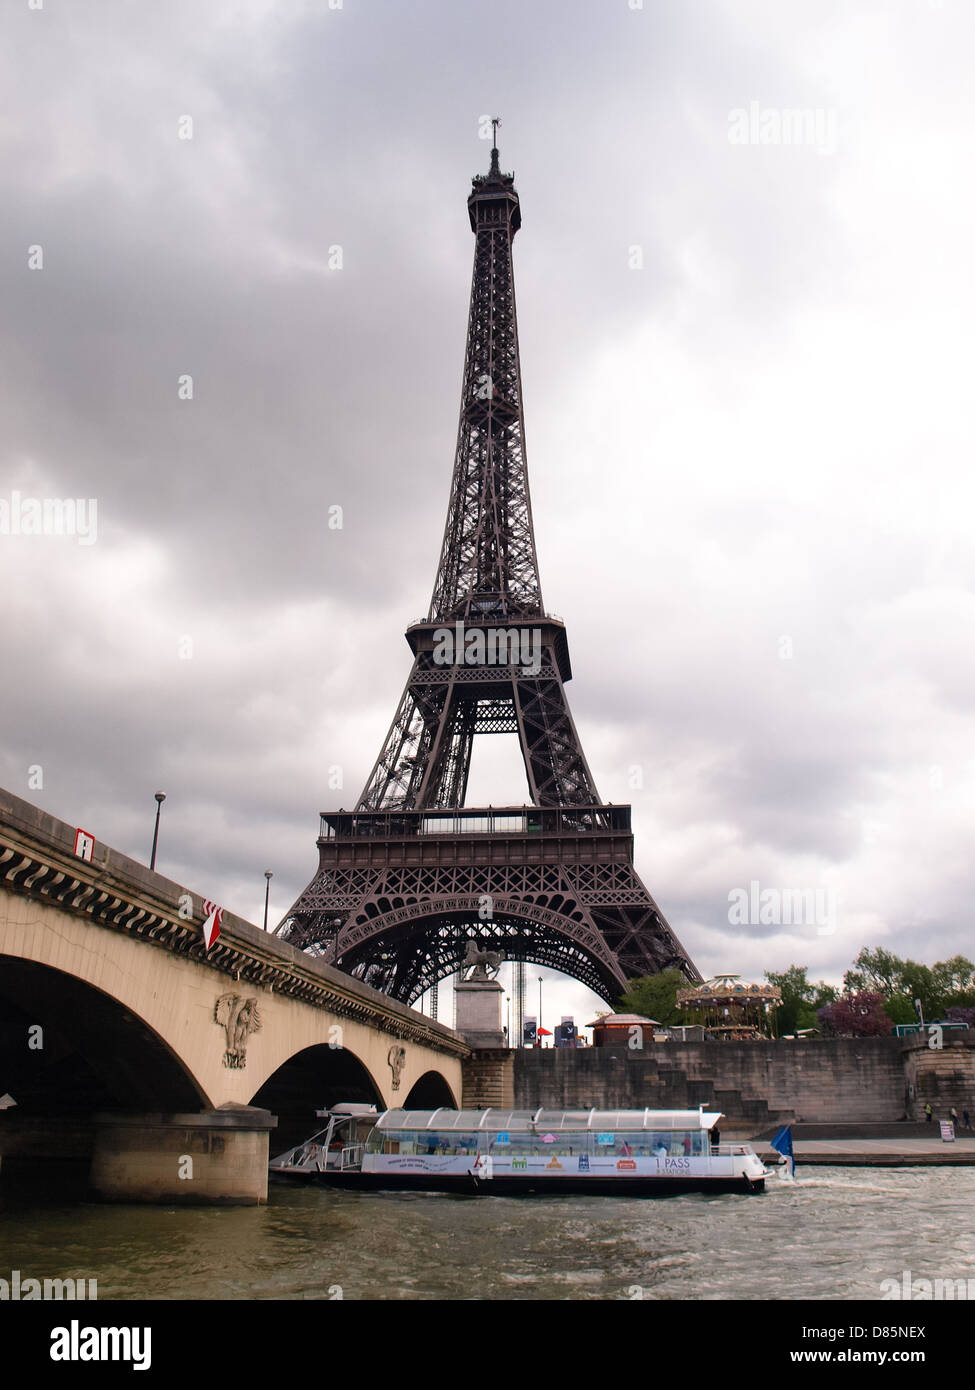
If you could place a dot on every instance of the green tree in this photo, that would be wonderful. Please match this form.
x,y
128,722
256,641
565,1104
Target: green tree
x,y
655,996
918,982
900,982
954,976
800,998
900,1009
878,970
823,995
960,999
796,991
954,982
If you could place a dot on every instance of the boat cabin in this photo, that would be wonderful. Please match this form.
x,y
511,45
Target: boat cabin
x,y
543,1134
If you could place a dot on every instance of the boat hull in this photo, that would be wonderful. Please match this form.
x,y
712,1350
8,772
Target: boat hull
x,y
468,1185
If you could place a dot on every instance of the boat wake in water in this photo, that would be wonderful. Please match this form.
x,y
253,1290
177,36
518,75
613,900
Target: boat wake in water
x,y
805,1184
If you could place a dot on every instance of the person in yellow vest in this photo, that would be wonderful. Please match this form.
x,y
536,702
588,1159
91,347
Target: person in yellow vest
x,y
927,1111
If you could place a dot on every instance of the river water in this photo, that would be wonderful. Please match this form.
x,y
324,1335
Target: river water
x,y
835,1234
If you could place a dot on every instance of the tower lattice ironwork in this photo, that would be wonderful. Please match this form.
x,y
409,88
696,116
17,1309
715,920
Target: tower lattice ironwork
x,y
411,875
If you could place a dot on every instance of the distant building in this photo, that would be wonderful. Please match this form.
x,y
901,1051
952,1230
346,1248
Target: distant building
x,y
617,1030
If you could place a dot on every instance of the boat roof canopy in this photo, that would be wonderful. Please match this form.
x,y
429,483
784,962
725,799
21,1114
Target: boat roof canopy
x,y
527,1121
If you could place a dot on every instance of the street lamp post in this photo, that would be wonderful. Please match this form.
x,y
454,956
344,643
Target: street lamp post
x,y
540,1043
268,875
160,798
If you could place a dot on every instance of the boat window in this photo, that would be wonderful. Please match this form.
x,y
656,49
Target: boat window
x,y
422,1141
624,1144
563,1142
679,1143
447,1141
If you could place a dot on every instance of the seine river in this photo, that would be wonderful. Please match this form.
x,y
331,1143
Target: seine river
x,y
836,1234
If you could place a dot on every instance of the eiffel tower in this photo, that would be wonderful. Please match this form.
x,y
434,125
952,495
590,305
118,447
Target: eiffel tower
x,y
410,876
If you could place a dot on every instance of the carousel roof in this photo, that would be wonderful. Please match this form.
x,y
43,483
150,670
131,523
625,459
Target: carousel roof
x,y
730,987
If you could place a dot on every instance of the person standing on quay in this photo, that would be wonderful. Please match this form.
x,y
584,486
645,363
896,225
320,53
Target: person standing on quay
x,y
927,1110
966,1119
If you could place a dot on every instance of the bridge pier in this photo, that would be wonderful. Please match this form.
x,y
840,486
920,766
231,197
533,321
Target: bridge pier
x,y
217,1157
489,1079
50,1152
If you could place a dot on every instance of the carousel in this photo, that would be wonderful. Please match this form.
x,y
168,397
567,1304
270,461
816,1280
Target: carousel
x,y
731,1010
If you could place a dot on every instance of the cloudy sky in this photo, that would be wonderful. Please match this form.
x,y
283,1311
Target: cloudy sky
x,y
747,366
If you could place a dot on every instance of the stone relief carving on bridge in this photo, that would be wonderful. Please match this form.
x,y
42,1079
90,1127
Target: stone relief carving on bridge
x,y
396,1057
239,1017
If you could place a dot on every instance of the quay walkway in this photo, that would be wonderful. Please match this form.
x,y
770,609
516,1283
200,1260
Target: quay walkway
x,y
905,1145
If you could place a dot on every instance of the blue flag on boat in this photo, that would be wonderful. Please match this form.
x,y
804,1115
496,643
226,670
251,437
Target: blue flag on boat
x,y
782,1143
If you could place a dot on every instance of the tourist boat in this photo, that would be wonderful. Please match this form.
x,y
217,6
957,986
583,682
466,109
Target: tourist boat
x,y
506,1152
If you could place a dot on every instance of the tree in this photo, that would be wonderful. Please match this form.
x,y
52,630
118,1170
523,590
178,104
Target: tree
x,y
859,1015
959,999
900,1009
918,982
936,986
796,991
823,994
955,984
954,976
800,998
655,996
878,971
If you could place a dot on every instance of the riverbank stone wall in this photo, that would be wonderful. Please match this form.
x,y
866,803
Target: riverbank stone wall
x,y
850,1080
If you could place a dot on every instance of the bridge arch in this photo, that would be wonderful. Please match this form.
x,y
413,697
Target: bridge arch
x,y
430,1092
315,1078
70,1047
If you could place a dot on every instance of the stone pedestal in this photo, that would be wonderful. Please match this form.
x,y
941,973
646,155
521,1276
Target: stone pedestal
x,y
479,1013
217,1157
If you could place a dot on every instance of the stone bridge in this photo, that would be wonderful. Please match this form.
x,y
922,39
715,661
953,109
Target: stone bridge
x,y
128,1047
